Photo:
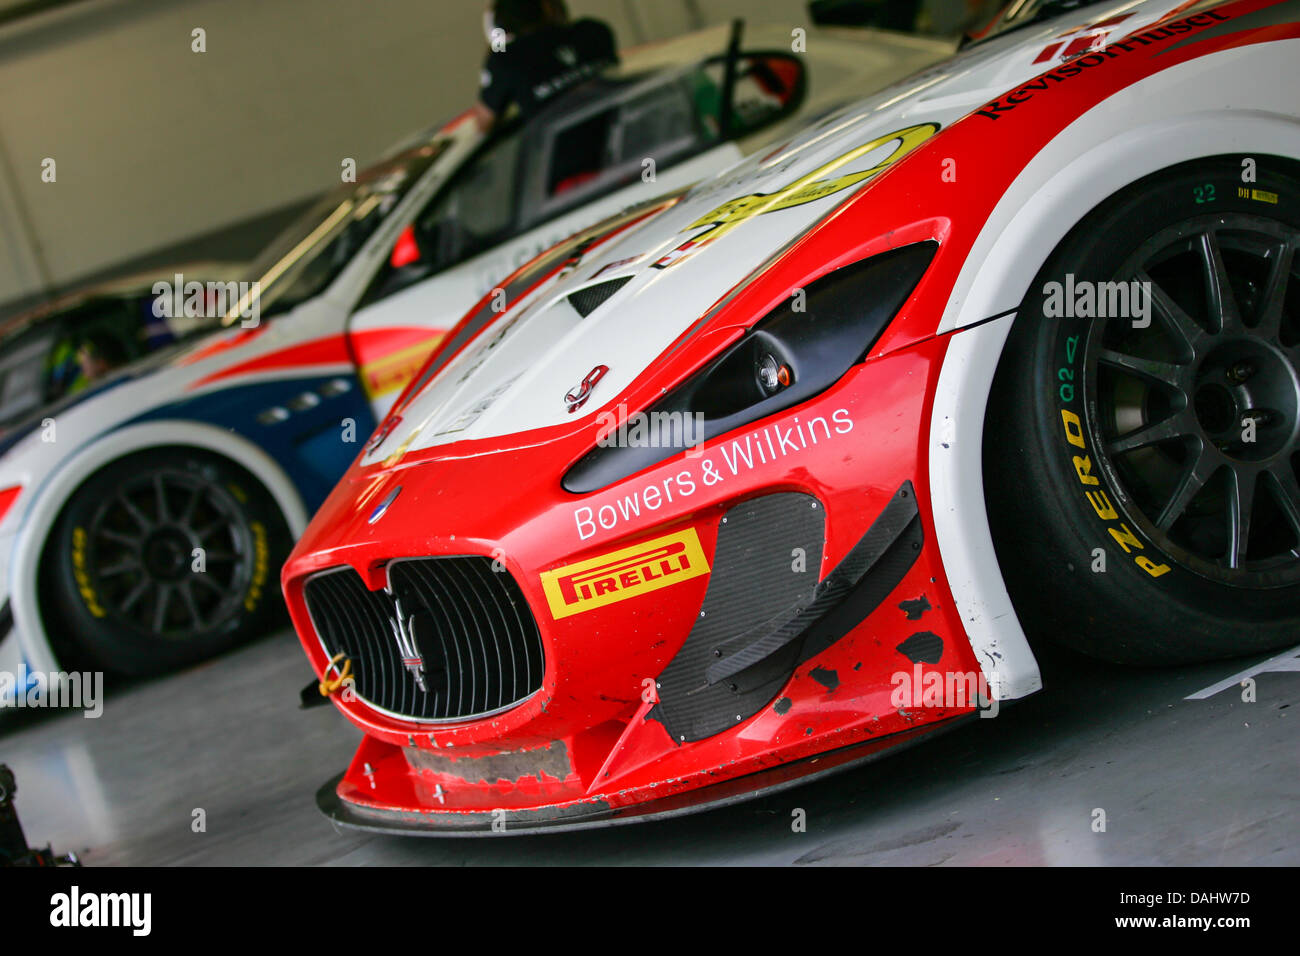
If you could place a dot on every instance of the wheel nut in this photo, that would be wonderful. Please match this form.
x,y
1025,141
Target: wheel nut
x,y
1241,371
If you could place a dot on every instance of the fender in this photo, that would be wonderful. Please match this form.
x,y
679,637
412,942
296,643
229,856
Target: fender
x,y
54,493
961,523
1140,130
1132,134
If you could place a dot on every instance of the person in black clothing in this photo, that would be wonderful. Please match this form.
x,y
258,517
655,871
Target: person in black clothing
x,y
544,54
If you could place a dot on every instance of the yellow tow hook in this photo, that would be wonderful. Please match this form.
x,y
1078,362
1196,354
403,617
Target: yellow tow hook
x,y
327,685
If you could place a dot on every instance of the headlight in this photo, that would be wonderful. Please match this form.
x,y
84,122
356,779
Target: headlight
x,y
798,350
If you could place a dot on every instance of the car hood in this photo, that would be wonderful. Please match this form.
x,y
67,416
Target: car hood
x,y
652,283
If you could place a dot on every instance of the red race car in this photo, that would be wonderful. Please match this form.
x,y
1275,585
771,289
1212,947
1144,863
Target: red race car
x,y
775,476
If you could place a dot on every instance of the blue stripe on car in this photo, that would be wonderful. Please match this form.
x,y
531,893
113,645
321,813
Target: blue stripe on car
x,y
310,442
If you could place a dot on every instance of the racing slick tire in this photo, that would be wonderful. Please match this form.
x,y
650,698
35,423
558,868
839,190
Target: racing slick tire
x,y
1140,462
160,560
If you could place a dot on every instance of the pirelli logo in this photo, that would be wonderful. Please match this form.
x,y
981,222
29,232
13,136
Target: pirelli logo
x,y
391,372
649,566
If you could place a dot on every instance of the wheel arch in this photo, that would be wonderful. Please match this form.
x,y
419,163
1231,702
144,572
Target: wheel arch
x,y
1234,102
1138,132
108,449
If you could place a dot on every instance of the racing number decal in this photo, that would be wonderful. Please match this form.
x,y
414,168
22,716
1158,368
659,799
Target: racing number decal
x,y
577,396
816,185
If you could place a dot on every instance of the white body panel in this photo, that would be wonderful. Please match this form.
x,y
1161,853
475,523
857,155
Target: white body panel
x,y
960,521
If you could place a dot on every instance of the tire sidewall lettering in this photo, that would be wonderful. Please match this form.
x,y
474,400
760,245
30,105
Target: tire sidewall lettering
x,y
1088,470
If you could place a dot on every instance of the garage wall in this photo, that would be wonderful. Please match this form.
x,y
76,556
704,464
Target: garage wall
x,y
155,144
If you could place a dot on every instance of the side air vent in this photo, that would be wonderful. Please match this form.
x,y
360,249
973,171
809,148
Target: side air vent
x,y
761,619
588,300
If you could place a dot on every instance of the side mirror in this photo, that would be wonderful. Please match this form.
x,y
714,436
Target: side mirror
x,y
766,87
436,244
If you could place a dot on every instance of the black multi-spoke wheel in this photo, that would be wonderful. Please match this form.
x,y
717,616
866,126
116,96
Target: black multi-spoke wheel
x,y
1143,439
169,553
1198,413
161,560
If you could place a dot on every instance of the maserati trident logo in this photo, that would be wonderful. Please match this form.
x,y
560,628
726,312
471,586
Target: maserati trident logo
x,y
403,628
382,507
576,397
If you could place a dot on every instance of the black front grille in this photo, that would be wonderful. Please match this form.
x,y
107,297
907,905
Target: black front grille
x,y
478,647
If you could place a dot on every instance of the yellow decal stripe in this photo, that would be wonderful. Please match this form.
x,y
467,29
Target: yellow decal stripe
x,y
811,187
391,372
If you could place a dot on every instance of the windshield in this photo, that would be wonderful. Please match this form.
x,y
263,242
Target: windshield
x,y
307,256
50,358
597,141
478,210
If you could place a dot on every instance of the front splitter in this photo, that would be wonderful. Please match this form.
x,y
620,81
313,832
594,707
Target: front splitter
x,y
598,813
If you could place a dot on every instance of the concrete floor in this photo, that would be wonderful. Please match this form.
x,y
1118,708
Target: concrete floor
x,y
1213,781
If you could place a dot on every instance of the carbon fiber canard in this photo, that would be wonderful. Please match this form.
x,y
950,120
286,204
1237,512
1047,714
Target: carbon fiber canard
x,y
766,611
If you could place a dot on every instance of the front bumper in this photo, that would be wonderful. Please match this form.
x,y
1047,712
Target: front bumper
x,y
662,695
343,806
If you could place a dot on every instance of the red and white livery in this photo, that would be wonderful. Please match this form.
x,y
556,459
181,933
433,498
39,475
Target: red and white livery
x,y
750,484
